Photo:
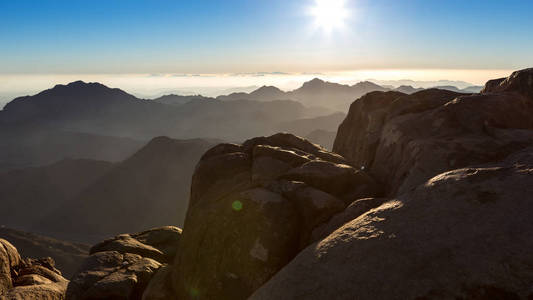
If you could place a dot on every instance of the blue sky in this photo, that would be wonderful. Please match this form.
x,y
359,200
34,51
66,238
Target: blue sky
x,y
232,36
153,47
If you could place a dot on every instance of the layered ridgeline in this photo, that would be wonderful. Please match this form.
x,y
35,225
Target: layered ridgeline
x,y
429,197
149,189
87,200
92,121
333,96
330,95
96,109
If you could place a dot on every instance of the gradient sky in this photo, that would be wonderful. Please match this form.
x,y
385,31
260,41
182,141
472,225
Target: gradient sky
x,y
227,36
55,38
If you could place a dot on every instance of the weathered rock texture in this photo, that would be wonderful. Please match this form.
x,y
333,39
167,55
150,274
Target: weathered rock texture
x,y
404,140
67,256
253,207
457,222
28,278
123,267
464,234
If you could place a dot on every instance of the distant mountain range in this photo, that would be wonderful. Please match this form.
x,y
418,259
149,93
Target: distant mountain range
x,y
28,194
96,109
425,84
88,200
83,161
334,96
92,121
338,97
28,146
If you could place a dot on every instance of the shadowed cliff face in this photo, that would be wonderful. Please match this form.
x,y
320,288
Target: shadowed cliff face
x,y
253,207
457,222
406,139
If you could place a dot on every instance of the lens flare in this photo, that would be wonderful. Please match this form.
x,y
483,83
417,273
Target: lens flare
x,y
236,205
329,14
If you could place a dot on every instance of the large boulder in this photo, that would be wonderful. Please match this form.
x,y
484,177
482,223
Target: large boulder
x,y
403,140
28,278
520,82
253,207
122,267
463,234
68,256
9,259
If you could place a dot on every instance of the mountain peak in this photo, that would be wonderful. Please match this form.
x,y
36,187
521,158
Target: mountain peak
x,y
267,88
315,81
77,83
80,84
519,82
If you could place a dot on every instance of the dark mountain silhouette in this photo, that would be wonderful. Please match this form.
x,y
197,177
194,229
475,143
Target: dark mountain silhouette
x,y
264,93
29,194
179,100
89,108
67,256
149,189
235,120
303,127
467,90
407,89
28,146
472,89
96,109
333,95
312,93
448,88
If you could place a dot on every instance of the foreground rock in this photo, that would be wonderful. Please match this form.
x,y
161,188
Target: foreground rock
x,y
457,222
464,234
28,278
68,256
253,207
404,140
123,267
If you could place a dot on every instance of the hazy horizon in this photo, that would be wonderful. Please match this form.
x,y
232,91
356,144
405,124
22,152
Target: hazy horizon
x,y
150,86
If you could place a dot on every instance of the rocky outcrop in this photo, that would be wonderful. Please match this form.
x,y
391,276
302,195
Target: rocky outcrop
x,y
253,207
123,267
28,278
464,234
67,256
404,140
520,82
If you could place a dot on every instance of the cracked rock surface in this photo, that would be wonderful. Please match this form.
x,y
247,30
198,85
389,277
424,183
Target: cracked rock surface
x,y
254,207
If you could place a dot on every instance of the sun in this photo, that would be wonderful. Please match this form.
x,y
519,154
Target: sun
x,y
329,14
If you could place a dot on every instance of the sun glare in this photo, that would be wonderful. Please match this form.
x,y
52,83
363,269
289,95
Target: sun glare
x,y
329,14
